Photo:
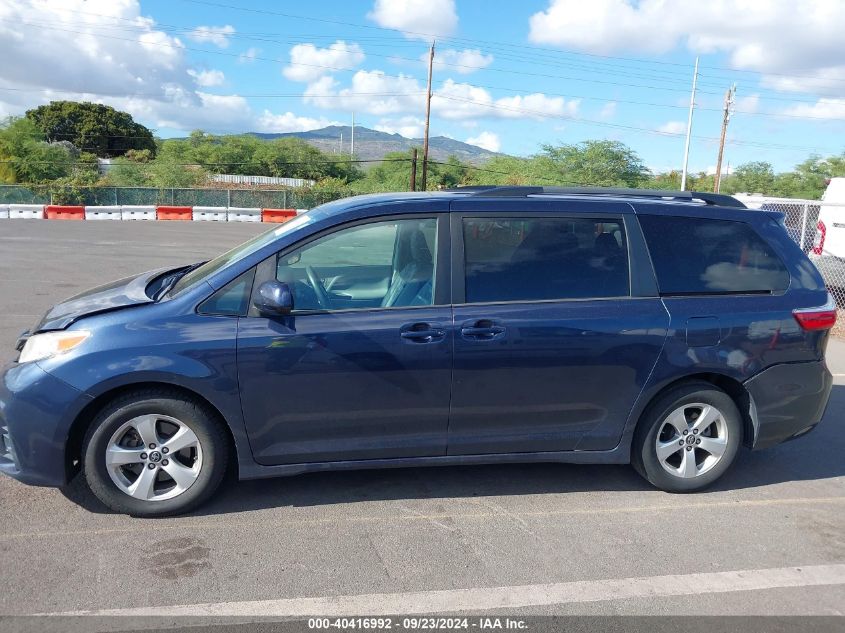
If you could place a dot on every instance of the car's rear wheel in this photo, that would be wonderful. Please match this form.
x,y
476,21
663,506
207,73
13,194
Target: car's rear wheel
x,y
154,452
688,438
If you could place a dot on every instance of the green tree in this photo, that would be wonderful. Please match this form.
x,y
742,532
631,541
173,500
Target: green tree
x,y
598,163
249,155
753,177
76,187
450,174
92,127
125,172
27,158
393,173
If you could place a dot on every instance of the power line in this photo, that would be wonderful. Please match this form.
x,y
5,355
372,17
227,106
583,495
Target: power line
x,y
541,114
494,42
402,76
298,95
508,56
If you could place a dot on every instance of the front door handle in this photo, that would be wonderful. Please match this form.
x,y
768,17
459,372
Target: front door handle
x,y
422,333
483,330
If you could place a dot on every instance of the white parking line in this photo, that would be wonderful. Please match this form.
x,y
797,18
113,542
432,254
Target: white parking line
x,y
489,598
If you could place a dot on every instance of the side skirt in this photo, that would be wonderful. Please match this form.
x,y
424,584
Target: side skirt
x,y
614,456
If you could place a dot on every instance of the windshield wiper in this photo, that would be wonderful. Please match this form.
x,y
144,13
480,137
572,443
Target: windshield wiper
x,y
171,280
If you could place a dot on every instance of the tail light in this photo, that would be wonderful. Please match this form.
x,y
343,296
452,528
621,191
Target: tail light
x,y
820,318
818,243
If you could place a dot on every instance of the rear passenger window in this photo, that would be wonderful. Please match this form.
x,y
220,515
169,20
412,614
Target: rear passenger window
x,y
704,256
516,259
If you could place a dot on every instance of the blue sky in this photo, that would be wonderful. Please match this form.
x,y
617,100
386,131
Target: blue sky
x,y
510,75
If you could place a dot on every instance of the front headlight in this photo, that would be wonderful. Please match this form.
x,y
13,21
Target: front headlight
x,y
40,346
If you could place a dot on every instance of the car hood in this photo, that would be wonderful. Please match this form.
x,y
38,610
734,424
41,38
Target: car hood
x,y
122,293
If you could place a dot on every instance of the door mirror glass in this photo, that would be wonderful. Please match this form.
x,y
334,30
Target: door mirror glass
x,y
274,298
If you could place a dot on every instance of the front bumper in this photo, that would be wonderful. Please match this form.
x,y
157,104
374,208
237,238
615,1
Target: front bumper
x,y
789,399
36,413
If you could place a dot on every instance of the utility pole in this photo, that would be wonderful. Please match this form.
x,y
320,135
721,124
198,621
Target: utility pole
x,y
427,118
689,127
414,169
729,101
352,144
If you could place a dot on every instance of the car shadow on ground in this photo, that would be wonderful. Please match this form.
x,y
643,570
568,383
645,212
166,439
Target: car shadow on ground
x,y
817,455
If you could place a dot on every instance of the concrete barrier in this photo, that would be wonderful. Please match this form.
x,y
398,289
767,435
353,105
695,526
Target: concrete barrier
x,y
64,212
137,212
277,215
103,213
210,214
167,212
244,214
26,211
147,212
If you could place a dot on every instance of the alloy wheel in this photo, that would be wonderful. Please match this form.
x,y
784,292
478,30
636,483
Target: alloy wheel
x,y
691,440
154,457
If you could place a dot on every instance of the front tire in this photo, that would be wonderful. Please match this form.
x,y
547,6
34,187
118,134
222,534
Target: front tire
x,y
688,438
154,452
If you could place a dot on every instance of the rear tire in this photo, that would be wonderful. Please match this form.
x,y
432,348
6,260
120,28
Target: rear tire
x,y
687,438
154,452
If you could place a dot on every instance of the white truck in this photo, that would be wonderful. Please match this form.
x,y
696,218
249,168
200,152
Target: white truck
x,y
828,252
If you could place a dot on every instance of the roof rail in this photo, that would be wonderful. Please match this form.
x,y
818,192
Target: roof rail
x,y
524,191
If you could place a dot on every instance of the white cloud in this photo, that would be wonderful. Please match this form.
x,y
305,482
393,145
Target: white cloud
x,y
375,92
217,35
823,109
249,55
82,61
461,101
608,110
407,126
307,62
289,122
486,140
369,91
748,104
145,73
464,62
778,37
417,19
207,78
673,127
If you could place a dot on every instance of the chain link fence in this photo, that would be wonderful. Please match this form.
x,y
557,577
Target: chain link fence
x,y
302,198
819,229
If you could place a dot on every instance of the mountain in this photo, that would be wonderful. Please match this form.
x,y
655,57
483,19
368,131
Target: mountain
x,y
373,145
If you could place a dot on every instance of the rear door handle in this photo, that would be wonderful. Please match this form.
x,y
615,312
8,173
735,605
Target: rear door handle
x,y
422,333
484,330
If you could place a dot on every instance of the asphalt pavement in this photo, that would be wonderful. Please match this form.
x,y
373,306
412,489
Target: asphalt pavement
x,y
769,538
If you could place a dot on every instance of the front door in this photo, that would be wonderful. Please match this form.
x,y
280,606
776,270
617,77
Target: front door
x,y
551,348
361,369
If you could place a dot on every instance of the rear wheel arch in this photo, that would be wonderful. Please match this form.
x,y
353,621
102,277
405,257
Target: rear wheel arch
x,y
735,389
82,422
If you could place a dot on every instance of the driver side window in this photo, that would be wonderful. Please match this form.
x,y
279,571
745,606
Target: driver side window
x,y
379,265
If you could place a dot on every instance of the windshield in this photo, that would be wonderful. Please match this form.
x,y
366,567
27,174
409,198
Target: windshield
x,y
239,252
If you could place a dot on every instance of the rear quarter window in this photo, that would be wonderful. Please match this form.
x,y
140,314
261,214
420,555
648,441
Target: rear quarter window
x,y
709,256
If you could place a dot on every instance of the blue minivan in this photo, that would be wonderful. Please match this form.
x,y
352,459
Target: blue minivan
x,y
477,325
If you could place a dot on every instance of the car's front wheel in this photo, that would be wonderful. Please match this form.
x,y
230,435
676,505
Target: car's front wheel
x,y
688,438
154,452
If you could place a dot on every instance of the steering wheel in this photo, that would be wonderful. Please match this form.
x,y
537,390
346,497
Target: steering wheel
x,y
319,289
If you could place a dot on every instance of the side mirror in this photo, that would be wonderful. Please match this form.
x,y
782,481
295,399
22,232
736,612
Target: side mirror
x,y
274,298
